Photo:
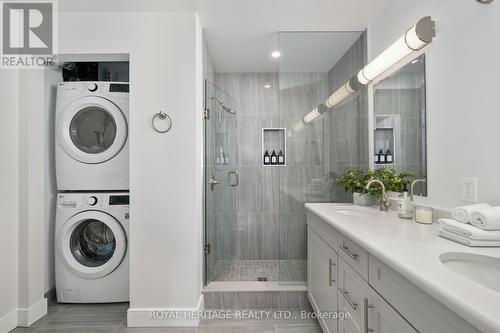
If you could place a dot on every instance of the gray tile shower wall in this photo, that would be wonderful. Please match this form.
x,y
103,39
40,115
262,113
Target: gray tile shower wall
x,y
346,126
266,217
253,231
302,179
269,223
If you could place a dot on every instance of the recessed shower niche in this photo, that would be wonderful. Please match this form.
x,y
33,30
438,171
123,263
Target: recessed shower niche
x,y
273,146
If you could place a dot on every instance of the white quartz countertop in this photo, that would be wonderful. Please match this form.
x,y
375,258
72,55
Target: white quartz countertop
x,y
413,250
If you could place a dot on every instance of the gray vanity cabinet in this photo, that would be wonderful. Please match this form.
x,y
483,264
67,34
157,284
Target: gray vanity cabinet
x,y
322,276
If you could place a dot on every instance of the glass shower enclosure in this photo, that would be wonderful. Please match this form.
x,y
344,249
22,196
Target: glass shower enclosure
x,y
255,219
221,178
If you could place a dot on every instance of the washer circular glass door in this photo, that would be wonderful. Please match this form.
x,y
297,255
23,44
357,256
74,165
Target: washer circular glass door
x,y
92,244
92,130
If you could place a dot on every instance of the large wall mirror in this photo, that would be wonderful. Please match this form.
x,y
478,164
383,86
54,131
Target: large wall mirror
x,y
399,124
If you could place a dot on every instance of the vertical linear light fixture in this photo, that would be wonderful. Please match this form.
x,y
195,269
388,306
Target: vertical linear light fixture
x,y
416,38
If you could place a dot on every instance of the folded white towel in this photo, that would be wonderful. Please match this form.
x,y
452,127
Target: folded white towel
x,y
468,231
463,214
467,241
487,218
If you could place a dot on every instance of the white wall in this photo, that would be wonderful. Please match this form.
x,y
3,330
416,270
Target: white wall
x,y
463,96
165,169
9,175
32,304
51,79
22,299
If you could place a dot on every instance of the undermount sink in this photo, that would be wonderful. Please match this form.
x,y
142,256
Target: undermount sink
x,y
481,269
359,211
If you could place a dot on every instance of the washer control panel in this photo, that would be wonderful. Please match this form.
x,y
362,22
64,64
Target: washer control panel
x,y
92,200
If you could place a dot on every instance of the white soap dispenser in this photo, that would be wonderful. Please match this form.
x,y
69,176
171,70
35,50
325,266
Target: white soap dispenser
x,y
405,205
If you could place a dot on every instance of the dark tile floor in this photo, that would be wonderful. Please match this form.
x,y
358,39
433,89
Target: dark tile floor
x,y
111,318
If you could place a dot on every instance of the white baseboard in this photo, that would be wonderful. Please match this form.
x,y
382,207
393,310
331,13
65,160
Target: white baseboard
x,y
9,321
27,316
158,317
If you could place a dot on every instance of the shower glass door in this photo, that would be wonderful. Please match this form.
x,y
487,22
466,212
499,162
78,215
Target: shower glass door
x,y
221,179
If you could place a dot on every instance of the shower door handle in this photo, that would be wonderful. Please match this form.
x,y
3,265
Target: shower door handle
x,y
212,182
236,178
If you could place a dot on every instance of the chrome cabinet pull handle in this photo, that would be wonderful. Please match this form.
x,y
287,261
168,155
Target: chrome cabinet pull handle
x,y
367,329
344,248
344,293
330,269
236,177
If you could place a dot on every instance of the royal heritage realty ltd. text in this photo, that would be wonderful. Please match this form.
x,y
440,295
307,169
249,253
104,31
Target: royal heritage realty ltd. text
x,y
246,315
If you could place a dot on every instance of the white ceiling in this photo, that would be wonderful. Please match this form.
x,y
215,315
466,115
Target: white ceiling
x,y
242,33
312,52
126,5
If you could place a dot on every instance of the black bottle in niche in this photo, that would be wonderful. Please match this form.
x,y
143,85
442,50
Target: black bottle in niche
x,y
267,158
381,156
388,156
274,158
281,158
376,159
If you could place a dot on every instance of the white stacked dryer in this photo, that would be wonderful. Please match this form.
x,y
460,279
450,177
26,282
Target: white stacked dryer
x,y
92,136
92,174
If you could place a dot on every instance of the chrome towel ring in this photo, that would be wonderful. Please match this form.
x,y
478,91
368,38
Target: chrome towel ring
x,y
161,122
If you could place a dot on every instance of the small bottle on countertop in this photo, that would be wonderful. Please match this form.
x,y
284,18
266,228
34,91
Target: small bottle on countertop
x,y
281,158
267,158
274,158
405,205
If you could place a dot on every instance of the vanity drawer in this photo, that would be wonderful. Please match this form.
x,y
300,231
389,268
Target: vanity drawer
x,y
353,254
323,229
352,291
420,309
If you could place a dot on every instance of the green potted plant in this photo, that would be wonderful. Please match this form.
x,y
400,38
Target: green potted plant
x,y
354,181
394,182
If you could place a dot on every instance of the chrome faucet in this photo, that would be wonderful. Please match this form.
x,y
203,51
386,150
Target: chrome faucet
x,y
415,182
384,201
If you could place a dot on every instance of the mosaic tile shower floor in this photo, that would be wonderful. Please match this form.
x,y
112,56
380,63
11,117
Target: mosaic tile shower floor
x,y
252,270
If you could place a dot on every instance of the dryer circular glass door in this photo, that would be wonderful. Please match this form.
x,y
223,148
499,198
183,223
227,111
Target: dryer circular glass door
x,y
92,130
92,244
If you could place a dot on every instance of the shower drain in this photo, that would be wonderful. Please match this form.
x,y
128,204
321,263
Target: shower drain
x,y
261,278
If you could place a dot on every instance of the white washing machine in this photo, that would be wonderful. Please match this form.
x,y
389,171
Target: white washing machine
x,y
91,249
91,136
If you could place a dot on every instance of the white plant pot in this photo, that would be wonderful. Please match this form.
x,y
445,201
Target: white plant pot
x,y
362,199
393,195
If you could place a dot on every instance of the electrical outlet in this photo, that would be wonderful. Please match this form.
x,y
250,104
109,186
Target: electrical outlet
x,y
469,189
